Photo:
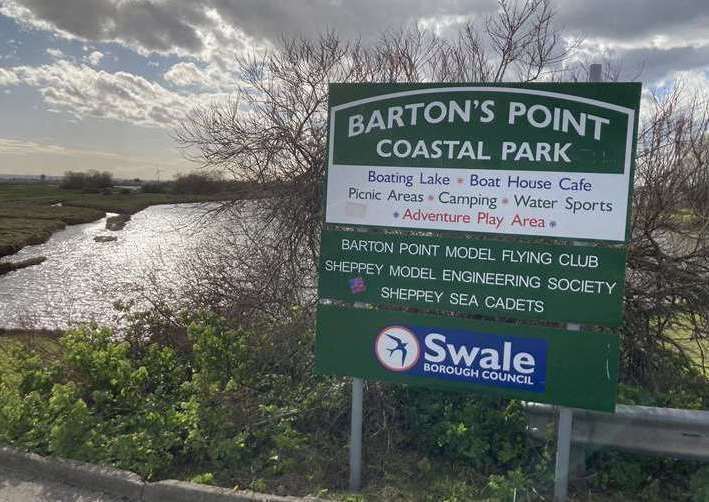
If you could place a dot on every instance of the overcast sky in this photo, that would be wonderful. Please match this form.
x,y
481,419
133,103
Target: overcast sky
x,y
101,83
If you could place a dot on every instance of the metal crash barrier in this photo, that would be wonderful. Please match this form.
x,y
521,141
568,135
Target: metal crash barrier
x,y
642,429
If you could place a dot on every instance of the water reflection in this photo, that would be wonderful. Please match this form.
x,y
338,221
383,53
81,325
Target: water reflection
x,y
74,284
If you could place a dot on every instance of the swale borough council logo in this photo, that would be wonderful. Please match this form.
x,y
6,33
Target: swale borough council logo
x,y
397,348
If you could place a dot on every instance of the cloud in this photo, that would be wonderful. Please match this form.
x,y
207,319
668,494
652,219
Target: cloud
x,y
144,25
212,77
658,63
182,28
185,26
94,58
26,147
8,77
644,62
214,32
635,19
165,26
84,91
55,53
185,74
23,147
653,37
693,83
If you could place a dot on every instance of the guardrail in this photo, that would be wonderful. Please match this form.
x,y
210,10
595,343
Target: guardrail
x,y
641,429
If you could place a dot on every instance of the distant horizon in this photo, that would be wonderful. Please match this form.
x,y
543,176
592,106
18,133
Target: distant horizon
x,y
4,177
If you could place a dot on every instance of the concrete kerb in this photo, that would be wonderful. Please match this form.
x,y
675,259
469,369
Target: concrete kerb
x,y
180,491
72,472
125,483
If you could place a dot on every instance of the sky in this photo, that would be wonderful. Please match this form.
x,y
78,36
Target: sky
x,y
101,84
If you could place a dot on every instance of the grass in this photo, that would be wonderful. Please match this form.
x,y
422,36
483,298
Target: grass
x,y
68,215
29,214
16,233
41,197
696,349
133,202
689,218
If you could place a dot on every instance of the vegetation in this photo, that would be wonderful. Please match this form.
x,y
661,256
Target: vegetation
x,y
240,406
155,187
214,409
667,286
92,181
30,214
198,183
16,233
66,214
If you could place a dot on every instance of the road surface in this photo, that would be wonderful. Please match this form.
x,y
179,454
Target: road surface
x,y
16,486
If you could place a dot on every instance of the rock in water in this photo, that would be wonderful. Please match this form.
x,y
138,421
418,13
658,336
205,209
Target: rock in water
x,y
9,266
105,238
116,223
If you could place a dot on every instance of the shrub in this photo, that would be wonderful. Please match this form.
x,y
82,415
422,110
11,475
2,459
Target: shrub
x,y
212,407
91,181
197,183
699,485
230,406
154,187
487,433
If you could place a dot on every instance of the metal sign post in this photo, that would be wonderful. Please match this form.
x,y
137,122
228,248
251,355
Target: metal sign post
x,y
356,435
566,416
563,445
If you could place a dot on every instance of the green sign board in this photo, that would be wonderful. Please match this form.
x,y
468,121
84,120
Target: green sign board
x,y
581,284
550,163
576,369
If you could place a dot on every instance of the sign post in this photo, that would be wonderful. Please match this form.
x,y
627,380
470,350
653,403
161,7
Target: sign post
x,y
503,202
356,434
563,454
566,417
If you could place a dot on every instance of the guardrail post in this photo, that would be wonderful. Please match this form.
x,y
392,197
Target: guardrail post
x,y
577,461
356,435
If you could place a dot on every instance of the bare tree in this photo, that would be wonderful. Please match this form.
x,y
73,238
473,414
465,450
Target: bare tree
x,y
273,134
667,293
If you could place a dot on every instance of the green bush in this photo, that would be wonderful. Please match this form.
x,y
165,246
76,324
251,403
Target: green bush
x,y
198,183
485,433
513,486
91,181
240,407
641,477
699,485
98,403
231,406
154,187
213,406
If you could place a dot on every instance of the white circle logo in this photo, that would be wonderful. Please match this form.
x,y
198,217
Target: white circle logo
x,y
397,348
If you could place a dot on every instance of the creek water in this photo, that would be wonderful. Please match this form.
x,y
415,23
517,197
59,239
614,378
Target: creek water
x,y
76,282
